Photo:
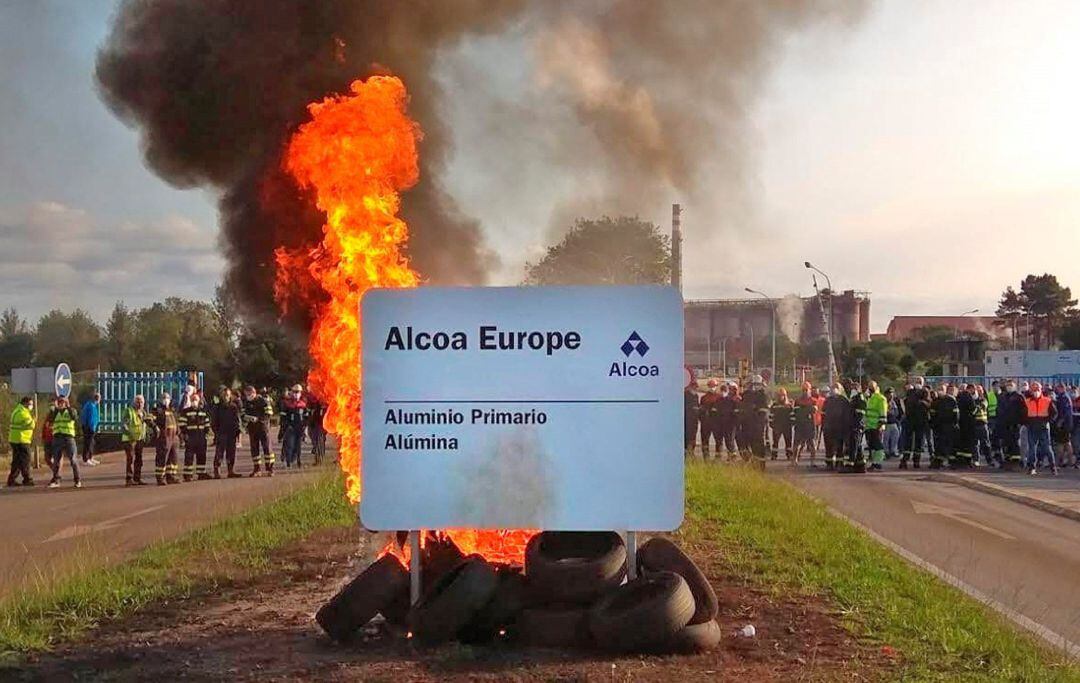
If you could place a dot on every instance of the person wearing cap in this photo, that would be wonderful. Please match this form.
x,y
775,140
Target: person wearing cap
x,y
63,421
20,435
166,442
782,422
293,419
1039,413
135,430
257,412
804,429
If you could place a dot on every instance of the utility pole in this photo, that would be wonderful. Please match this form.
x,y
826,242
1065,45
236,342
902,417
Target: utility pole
x,y
676,247
772,306
828,333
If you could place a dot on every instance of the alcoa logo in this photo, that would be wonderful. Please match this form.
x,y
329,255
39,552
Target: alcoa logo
x,y
633,344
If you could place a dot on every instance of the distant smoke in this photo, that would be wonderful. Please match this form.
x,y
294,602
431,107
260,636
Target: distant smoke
x,y
790,312
642,97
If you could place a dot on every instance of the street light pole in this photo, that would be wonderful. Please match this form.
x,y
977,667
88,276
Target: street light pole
x,y
829,331
772,305
974,310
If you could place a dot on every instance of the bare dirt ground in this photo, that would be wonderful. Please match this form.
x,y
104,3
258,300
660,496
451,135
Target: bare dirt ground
x,y
262,628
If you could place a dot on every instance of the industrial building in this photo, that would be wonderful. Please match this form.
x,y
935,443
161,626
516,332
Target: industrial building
x,y
1021,363
725,328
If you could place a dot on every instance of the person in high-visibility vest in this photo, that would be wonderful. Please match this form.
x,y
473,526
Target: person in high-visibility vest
x,y
983,446
63,420
877,411
20,434
1039,412
993,397
134,426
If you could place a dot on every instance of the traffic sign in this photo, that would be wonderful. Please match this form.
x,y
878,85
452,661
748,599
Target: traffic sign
x,y
62,383
555,408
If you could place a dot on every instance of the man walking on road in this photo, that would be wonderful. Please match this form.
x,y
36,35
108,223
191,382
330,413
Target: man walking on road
x,y
133,439
62,420
166,467
21,434
89,419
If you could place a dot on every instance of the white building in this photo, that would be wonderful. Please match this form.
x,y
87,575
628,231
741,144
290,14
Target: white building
x,y
1032,363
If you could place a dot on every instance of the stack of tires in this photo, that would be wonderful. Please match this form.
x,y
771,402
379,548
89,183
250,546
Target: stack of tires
x,y
572,594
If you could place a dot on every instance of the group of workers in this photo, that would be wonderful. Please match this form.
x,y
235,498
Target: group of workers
x,y
858,426
191,424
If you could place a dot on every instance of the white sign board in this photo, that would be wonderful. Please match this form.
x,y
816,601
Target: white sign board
x,y
554,408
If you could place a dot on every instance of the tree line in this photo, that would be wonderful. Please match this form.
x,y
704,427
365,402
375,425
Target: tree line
x,y
174,334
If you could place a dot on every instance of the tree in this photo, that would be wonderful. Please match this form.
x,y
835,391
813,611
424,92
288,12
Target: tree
x,y
1048,303
608,251
11,323
68,338
16,342
1070,333
120,332
1010,309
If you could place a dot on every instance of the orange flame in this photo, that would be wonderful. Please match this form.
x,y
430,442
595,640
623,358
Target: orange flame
x,y
357,153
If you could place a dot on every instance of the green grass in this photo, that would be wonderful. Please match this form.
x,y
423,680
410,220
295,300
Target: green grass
x,y
774,536
60,609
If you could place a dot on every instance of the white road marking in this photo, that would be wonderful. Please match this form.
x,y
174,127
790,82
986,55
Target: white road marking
x,y
957,515
83,529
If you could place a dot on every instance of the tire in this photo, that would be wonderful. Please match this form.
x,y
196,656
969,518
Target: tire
x,y
574,566
500,612
365,596
557,626
661,555
453,601
694,639
642,614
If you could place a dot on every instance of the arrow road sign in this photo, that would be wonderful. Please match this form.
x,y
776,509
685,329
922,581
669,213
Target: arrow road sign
x,y
956,515
63,380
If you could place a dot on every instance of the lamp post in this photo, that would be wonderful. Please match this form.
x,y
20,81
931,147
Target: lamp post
x,y
974,310
772,305
828,332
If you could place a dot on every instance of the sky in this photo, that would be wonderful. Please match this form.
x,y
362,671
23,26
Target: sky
x,y
928,154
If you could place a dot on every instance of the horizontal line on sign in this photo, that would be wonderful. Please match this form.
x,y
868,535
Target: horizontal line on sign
x,y
539,400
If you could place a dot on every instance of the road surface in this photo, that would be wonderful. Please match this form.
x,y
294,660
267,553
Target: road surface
x,y
48,531
1024,559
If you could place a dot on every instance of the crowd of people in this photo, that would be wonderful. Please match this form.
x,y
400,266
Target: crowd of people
x,y
857,426
177,430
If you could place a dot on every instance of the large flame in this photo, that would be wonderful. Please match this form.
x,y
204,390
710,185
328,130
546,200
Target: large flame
x,y
356,154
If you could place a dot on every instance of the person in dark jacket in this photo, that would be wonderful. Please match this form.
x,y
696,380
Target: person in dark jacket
x,y
893,417
1062,427
727,419
293,420
916,427
166,441
1010,417
690,417
806,408
982,442
226,419
194,423
835,425
90,419
854,456
964,453
257,410
782,415
945,422
755,408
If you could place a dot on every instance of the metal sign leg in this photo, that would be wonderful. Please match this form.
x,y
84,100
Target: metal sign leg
x,y
414,567
631,555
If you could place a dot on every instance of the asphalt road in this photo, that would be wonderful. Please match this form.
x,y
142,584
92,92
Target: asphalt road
x,y
44,532
1024,559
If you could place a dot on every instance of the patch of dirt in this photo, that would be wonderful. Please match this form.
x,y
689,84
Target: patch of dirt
x,y
263,629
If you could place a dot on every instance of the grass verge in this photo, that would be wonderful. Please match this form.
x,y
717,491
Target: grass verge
x,y
773,535
59,610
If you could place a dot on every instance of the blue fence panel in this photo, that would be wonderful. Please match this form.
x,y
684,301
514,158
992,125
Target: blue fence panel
x,y
118,389
985,380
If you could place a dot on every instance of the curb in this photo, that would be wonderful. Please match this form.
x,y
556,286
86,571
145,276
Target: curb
x,y
1001,491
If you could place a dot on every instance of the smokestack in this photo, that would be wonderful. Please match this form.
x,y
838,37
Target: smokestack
x,y
676,247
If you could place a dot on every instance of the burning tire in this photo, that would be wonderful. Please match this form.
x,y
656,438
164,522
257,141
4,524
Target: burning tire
x,y
643,614
562,626
694,639
453,601
574,566
660,554
365,596
500,612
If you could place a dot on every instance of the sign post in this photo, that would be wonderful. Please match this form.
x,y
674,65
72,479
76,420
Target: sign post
x,y
556,408
62,380
41,381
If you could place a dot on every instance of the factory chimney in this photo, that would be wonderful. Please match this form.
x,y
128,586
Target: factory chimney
x,y
676,247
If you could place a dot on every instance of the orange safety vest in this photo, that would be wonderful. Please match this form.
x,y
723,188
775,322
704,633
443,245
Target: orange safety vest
x,y
1038,407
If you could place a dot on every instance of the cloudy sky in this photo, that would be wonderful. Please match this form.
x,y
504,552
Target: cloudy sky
x,y
929,154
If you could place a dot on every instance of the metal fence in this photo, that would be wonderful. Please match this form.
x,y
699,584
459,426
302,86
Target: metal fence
x,y
986,380
117,390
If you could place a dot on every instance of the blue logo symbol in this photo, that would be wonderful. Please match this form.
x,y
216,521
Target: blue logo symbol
x,y
634,343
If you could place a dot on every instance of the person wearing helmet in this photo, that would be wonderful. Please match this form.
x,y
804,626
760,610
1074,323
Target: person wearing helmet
x,y
166,442
782,422
293,419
